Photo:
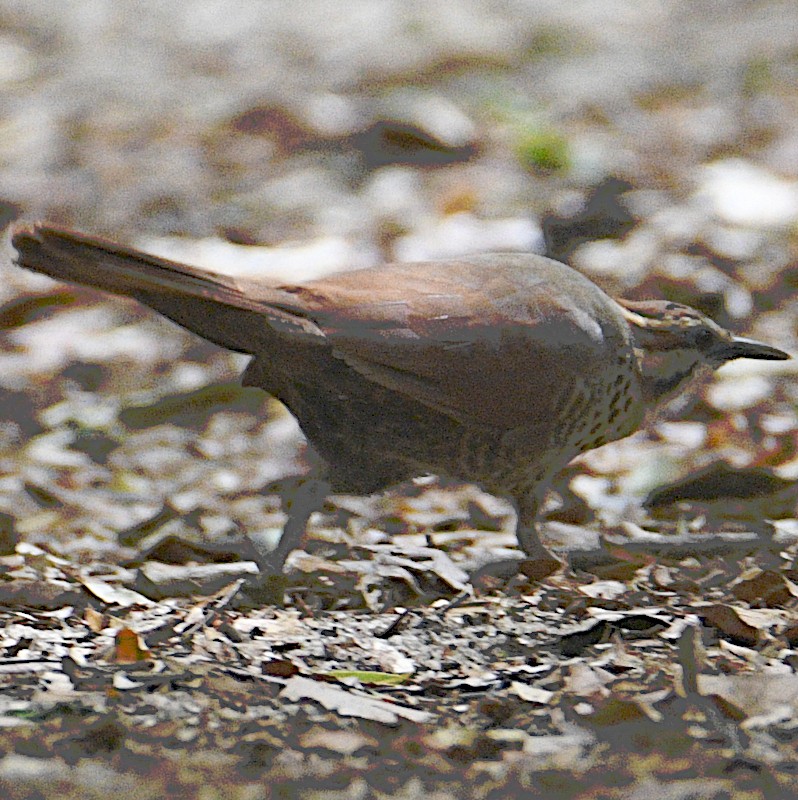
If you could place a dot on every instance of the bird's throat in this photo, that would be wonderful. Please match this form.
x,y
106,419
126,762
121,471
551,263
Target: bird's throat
x,y
666,374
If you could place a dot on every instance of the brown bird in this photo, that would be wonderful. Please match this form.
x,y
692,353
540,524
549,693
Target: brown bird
x,y
496,369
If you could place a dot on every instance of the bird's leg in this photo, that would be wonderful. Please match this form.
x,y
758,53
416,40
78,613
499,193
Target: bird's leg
x,y
527,528
267,587
539,562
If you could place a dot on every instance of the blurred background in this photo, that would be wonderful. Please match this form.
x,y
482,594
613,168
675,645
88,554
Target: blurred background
x,y
653,145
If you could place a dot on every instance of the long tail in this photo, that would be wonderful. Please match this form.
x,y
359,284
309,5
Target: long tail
x,y
236,314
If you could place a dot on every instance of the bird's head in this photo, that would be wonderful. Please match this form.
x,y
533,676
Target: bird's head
x,y
676,344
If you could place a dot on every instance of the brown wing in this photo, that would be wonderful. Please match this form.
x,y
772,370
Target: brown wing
x,y
482,339
486,340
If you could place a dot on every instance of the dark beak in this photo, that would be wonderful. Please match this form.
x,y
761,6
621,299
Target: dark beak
x,y
748,348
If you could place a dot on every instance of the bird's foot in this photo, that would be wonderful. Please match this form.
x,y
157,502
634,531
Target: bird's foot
x,y
268,586
536,564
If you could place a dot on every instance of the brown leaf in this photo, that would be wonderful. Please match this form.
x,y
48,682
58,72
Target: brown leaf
x,y
39,594
95,621
617,710
769,587
279,668
128,648
727,621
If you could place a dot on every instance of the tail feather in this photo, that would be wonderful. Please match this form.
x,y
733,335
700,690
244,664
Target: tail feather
x,y
233,313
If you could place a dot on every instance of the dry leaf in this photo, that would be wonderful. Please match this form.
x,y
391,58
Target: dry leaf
x,y
128,648
531,693
583,680
605,590
95,621
755,694
345,743
115,595
769,587
728,620
349,703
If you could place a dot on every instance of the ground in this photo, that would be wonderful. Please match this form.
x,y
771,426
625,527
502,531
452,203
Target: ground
x,y
654,148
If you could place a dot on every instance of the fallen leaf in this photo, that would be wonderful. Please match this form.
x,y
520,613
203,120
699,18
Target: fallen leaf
x,y
728,620
345,743
769,587
158,581
754,693
364,676
95,621
279,668
115,595
605,590
531,693
128,648
583,680
350,703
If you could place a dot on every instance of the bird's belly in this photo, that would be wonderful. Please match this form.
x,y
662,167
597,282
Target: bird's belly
x,y
371,436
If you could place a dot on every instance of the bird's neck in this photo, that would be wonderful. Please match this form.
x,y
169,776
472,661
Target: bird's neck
x,y
665,375
666,372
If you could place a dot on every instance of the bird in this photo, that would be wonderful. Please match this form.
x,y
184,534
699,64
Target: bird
x,y
496,369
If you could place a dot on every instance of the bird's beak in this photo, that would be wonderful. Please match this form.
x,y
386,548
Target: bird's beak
x,y
740,347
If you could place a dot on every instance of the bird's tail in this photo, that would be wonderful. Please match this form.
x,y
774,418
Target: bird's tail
x,y
234,313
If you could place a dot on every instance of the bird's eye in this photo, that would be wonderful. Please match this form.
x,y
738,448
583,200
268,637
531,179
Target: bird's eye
x,y
704,338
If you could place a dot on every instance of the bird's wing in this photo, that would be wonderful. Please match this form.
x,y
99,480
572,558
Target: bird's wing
x,y
463,339
488,340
